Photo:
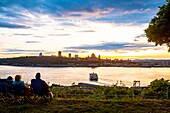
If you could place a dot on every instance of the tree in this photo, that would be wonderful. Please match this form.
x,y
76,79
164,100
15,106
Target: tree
x,y
158,30
158,88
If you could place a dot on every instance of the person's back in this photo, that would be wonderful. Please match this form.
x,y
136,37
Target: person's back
x,y
41,84
18,86
36,86
9,84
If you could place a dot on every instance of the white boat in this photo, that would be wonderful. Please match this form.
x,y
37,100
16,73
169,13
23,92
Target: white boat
x,y
93,76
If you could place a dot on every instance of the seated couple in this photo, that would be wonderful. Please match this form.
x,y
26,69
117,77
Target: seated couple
x,y
38,86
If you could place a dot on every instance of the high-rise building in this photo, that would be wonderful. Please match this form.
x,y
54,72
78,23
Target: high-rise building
x,y
69,55
40,54
93,55
76,56
99,57
59,54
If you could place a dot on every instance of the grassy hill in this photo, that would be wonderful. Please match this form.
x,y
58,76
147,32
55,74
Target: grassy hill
x,y
105,99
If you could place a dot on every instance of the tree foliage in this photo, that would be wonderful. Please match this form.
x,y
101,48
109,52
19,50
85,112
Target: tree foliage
x,y
158,88
158,30
158,85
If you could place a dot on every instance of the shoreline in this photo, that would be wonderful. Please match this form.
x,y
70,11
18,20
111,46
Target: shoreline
x,y
83,66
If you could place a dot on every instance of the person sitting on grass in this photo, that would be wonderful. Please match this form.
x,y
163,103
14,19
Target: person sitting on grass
x,y
18,81
44,86
9,84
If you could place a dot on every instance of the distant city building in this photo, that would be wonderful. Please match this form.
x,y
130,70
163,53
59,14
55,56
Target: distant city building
x,y
40,54
76,56
92,58
99,57
69,55
93,55
59,54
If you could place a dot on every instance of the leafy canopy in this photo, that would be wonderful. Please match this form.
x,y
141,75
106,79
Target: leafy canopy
x,y
159,85
158,30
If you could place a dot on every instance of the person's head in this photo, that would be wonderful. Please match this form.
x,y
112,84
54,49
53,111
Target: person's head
x,y
9,78
17,77
38,76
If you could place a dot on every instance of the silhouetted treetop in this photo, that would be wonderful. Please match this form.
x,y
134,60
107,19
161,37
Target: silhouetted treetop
x,y
158,30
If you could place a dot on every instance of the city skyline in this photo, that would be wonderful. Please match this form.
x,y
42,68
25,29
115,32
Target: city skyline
x,y
70,55
112,29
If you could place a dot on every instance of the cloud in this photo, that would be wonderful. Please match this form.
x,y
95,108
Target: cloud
x,y
21,51
140,36
48,16
111,46
68,24
26,51
87,31
15,26
39,36
137,38
71,51
127,17
58,29
74,51
49,53
18,34
58,34
119,52
97,10
32,42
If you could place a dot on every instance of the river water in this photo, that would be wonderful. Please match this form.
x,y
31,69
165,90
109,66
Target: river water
x,y
106,75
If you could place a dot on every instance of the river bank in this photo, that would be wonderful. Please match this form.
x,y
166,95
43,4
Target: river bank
x,y
87,66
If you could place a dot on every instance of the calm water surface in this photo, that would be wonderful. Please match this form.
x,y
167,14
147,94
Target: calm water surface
x,y
68,75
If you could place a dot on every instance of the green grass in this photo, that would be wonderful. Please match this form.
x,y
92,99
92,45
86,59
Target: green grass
x,y
60,105
99,100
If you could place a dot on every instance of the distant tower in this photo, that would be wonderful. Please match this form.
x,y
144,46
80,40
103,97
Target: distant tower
x,y
93,55
76,56
40,54
99,57
69,55
59,54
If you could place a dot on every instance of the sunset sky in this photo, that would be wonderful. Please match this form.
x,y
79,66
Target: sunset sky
x,y
111,28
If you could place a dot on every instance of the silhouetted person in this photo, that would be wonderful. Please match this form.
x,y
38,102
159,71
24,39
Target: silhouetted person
x,y
9,84
44,85
9,80
18,81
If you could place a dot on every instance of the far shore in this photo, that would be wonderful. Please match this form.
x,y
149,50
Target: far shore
x,y
83,66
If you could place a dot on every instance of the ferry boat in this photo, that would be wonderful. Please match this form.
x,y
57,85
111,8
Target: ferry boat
x,y
93,76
